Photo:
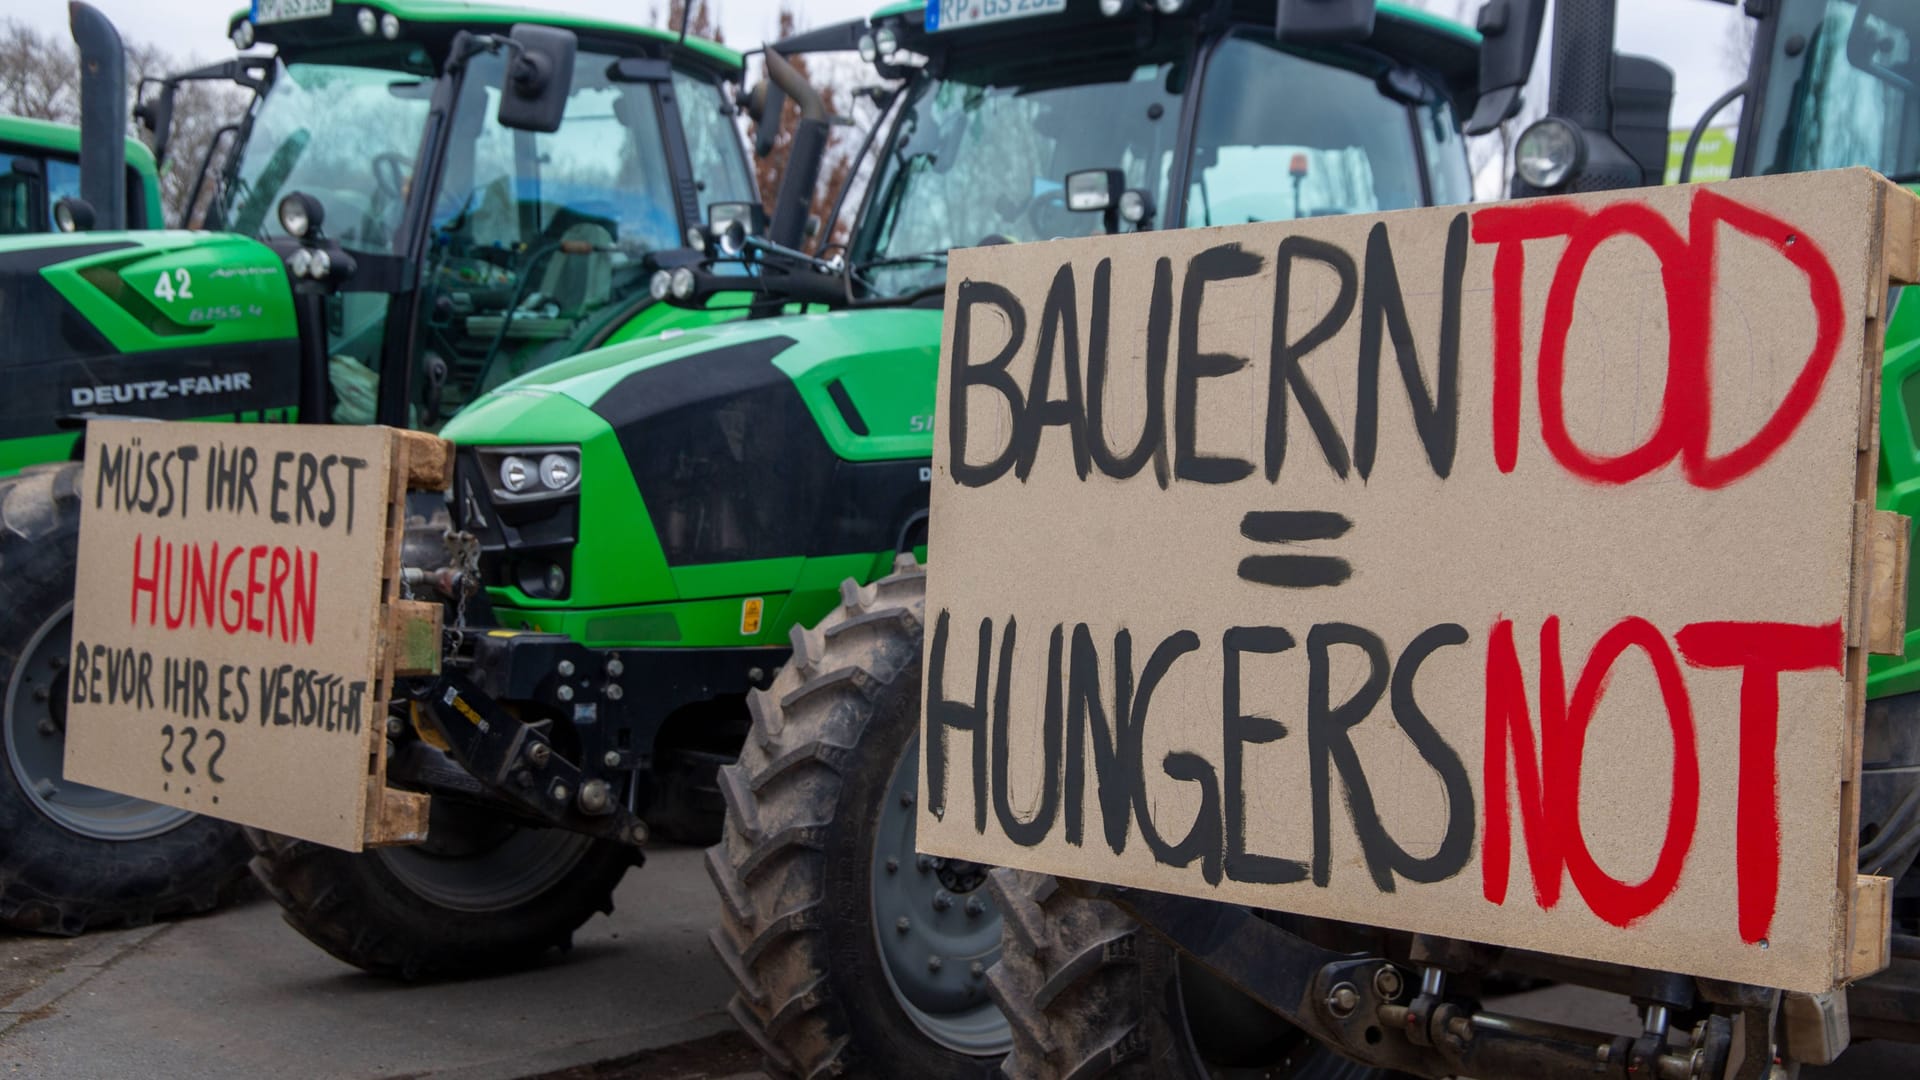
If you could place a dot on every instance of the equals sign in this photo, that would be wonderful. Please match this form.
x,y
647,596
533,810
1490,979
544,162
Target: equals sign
x,y
1293,527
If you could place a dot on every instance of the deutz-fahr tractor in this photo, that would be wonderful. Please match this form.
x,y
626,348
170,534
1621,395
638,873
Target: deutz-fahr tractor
x,y
1103,982
655,525
421,202
42,167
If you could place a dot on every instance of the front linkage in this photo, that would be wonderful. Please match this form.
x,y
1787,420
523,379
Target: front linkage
x,y
1400,1015
589,773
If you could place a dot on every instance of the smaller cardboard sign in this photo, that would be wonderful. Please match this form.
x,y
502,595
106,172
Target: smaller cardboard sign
x,y
227,626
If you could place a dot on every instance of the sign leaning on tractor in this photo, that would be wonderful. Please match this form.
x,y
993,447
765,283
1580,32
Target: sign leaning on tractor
x,y
1446,604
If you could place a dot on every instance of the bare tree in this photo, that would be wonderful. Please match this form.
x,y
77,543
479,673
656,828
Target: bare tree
x,y
40,78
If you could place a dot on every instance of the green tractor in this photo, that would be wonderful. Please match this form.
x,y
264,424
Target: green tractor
x,y
423,201
706,545
43,167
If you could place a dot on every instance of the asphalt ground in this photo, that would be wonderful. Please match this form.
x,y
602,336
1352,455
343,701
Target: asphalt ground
x,y
239,994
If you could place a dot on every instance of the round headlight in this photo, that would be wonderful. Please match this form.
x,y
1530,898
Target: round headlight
x,y
389,26
300,214
1548,153
885,41
301,262
557,471
1111,8
682,283
1169,7
659,283
868,50
242,35
322,263
1134,206
556,580
368,21
732,239
697,238
516,473
72,214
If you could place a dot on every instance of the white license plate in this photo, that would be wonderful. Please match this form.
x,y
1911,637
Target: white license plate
x,y
279,11
959,14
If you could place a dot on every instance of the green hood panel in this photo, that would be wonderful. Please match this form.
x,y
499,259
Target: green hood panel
x,y
170,289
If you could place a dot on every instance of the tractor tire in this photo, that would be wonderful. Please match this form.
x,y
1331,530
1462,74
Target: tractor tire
x,y
72,857
851,956
1090,993
480,896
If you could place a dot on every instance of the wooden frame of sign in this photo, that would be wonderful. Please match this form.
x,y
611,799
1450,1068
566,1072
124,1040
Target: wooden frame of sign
x,y
1504,572
239,622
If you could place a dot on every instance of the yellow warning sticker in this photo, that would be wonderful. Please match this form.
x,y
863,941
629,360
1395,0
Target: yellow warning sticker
x,y
750,615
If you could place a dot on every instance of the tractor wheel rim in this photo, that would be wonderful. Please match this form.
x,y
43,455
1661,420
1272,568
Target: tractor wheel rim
x,y
937,930
36,739
509,867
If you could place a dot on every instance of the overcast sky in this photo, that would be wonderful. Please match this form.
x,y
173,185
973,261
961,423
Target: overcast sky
x,y
1689,35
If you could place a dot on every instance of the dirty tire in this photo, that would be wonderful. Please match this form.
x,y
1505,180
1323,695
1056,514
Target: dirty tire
x,y
794,868
55,878
356,907
1090,993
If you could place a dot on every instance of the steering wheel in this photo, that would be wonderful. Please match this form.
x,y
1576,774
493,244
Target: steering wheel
x,y
390,174
1028,212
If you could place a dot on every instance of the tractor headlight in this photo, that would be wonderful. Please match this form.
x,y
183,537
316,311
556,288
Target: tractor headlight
x,y
516,474
1549,153
523,473
242,36
559,471
322,264
300,262
682,283
1136,206
72,214
368,22
885,41
301,214
1110,8
869,49
660,284
389,26
1169,7
697,239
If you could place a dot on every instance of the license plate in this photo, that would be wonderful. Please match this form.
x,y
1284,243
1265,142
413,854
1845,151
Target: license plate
x,y
959,14
279,11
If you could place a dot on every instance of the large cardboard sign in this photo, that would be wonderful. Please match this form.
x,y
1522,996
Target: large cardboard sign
x,y
228,628
1496,572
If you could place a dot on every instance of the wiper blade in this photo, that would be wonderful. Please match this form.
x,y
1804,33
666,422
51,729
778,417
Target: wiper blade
x,y
916,257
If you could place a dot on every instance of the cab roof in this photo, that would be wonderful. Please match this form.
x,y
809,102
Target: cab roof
x,y
1444,47
443,17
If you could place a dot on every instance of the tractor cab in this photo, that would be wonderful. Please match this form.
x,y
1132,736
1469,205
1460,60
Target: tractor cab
x,y
473,191
1080,117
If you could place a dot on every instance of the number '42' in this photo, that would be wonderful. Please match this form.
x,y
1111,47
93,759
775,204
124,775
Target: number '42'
x,y
178,285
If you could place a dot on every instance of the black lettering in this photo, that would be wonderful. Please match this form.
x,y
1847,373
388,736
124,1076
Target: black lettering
x,y
1203,839
1285,378
992,374
1329,741
1222,262
305,476
353,465
943,713
1456,847
1059,328
280,484
1436,413
1238,729
1152,442
1085,712
1031,832
325,517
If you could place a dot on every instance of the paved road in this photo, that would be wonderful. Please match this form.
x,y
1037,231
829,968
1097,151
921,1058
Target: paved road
x,y
240,995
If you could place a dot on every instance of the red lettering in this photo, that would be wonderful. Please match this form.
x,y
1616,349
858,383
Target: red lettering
x,y
1688,270
149,584
202,585
1610,898
278,570
306,590
1763,651
238,609
1507,720
254,585
169,589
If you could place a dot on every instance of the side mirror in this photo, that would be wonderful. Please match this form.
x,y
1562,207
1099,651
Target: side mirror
x,y
1093,189
1314,21
539,76
73,214
1509,38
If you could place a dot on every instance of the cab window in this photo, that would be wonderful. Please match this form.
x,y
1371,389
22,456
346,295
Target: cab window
x,y
1282,137
713,143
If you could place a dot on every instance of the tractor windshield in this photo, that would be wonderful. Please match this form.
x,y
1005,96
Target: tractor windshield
x,y
1842,87
982,157
345,135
